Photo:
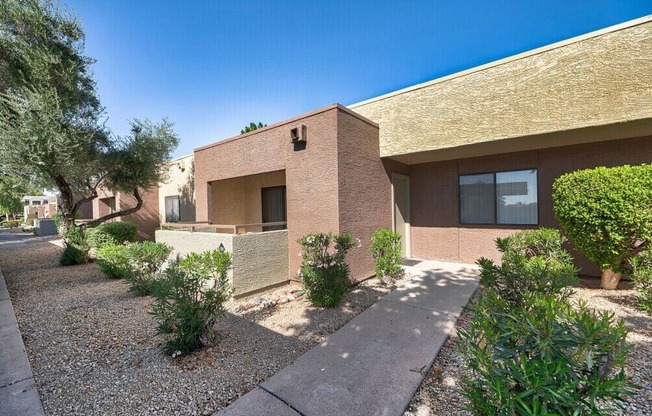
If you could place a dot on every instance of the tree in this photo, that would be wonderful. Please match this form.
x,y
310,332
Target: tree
x,y
12,190
252,126
50,128
607,215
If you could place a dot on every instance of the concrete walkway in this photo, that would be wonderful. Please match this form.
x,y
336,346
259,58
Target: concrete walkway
x,y
374,364
18,395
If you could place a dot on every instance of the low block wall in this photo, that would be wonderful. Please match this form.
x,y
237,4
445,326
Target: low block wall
x,y
260,260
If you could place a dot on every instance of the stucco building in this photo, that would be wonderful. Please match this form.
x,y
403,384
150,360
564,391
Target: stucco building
x,y
146,218
451,164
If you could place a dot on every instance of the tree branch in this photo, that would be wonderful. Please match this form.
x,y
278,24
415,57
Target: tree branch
x,y
116,214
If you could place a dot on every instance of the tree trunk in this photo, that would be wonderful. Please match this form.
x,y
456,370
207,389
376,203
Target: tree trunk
x,y
609,279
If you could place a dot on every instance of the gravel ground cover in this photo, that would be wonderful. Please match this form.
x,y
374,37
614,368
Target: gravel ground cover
x,y
440,392
93,348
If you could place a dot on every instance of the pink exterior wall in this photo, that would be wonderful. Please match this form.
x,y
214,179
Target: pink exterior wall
x,y
436,231
146,218
365,198
333,184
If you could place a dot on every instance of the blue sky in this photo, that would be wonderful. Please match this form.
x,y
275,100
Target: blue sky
x,y
211,67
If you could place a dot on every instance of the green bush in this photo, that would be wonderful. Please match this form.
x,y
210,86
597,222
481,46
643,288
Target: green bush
x,y
145,261
533,263
543,358
386,252
116,232
113,259
324,272
642,278
11,223
72,255
76,249
189,298
606,212
121,230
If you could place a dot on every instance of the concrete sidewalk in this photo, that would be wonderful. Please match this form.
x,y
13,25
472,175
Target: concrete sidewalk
x,y
18,395
374,364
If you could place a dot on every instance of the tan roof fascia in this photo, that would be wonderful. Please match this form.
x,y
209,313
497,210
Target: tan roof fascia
x,y
561,44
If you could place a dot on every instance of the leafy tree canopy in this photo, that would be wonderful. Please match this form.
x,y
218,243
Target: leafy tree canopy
x,y
252,126
50,130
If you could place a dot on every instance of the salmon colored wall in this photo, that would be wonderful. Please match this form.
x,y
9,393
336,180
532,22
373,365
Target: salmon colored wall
x,y
327,180
312,178
147,218
364,189
238,200
436,232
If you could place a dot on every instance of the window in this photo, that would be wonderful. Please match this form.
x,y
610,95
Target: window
x,y
274,207
172,209
499,198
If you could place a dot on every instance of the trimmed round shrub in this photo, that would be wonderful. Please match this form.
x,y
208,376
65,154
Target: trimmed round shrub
x,y
116,232
606,213
642,277
113,259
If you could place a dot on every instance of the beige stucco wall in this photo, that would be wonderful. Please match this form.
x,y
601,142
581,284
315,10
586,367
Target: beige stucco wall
x,y
260,260
181,182
600,79
238,200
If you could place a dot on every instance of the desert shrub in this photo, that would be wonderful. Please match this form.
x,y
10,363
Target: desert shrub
x,y
11,223
113,259
533,263
116,232
145,261
642,278
606,212
189,297
386,252
324,272
543,358
72,255
76,249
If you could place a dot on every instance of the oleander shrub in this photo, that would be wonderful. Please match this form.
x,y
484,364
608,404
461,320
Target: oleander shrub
x,y
145,262
606,213
545,357
386,251
189,298
533,262
75,250
642,278
324,272
113,259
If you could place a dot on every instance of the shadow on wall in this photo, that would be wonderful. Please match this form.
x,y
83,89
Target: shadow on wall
x,y
187,197
147,222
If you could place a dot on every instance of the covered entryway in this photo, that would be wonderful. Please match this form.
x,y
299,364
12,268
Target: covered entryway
x,y
401,210
274,207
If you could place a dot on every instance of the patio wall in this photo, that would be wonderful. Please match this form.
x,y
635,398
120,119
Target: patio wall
x,y
260,260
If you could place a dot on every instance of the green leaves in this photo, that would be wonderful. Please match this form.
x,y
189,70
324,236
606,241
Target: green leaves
x,y
533,352
386,251
189,298
606,212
